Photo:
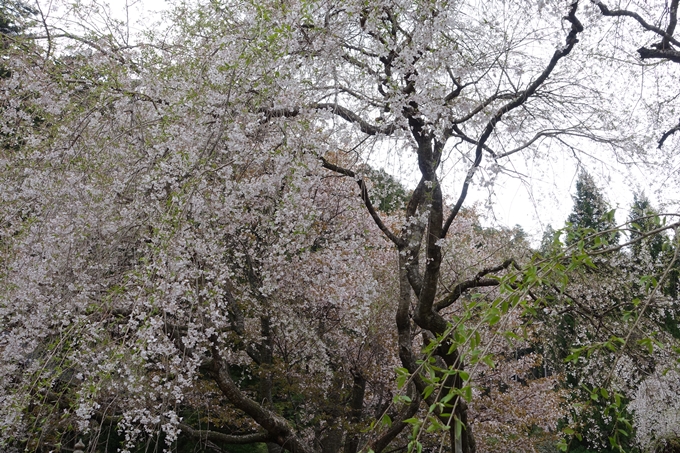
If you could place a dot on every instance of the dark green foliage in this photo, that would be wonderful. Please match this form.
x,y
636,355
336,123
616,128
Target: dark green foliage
x,y
654,253
644,218
388,195
591,214
550,243
12,13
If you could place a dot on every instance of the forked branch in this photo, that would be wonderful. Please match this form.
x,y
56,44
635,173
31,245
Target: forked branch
x,y
478,281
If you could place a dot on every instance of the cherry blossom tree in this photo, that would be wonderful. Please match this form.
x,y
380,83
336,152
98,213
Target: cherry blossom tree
x,y
196,249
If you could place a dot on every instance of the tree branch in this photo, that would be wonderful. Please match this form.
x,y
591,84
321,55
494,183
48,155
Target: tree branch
x,y
625,13
669,54
476,282
397,427
667,134
277,427
215,436
484,105
342,112
672,22
352,117
366,198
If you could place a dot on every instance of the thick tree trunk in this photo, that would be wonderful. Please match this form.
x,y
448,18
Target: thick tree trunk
x,y
356,407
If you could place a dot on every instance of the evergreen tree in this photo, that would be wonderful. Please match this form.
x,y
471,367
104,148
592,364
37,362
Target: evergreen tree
x,y
388,193
644,218
652,254
12,16
550,242
591,213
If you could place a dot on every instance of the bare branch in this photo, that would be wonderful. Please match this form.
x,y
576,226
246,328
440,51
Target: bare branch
x,y
647,26
668,134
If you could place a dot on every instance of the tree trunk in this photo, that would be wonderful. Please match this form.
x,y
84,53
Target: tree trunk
x,y
356,407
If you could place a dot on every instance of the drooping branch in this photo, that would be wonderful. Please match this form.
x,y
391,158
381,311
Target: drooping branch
x,y
555,133
519,100
366,198
477,281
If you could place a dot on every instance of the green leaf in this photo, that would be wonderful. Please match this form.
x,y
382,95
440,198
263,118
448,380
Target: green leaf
x,y
459,428
446,398
488,360
467,393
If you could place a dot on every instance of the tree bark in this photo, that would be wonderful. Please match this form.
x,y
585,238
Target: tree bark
x,y
356,408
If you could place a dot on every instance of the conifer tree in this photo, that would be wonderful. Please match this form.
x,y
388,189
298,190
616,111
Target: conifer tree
x,y
651,254
13,15
644,218
591,213
548,242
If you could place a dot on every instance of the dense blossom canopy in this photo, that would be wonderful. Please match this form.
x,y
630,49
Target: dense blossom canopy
x,y
198,252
